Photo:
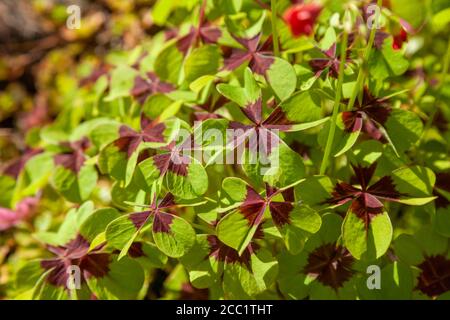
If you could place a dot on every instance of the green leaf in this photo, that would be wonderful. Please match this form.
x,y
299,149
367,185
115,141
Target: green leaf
x,y
236,231
367,242
404,129
153,257
120,231
284,167
75,187
413,11
304,106
242,96
282,78
169,62
202,61
123,281
387,62
416,183
303,223
179,238
97,222
314,190
239,282
122,81
199,264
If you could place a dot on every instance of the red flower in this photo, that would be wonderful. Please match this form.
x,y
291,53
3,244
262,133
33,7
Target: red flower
x,y
301,18
399,39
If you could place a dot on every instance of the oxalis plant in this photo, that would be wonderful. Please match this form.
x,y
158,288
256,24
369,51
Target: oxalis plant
x,y
240,150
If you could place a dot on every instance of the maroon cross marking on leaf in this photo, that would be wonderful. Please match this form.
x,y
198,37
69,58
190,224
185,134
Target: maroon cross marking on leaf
x,y
331,265
258,56
331,62
162,220
204,32
92,263
434,278
129,140
73,158
366,198
206,110
223,253
369,116
145,87
14,168
254,205
262,130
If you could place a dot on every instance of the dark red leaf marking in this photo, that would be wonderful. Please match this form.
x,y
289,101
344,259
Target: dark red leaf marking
x,y
129,140
188,292
399,39
253,212
136,250
434,278
353,121
204,32
366,198
76,252
366,207
301,148
380,36
278,120
331,264
171,162
259,58
140,218
330,62
280,212
442,183
72,159
14,168
368,116
385,189
162,222
440,121
223,253
167,202
145,87
254,206
206,111
94,75
364,174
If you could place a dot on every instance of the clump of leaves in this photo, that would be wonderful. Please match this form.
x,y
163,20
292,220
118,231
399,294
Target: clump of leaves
x,y
239,151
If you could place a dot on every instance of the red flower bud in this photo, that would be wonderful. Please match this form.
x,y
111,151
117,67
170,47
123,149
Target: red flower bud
x,y
301,18
401,37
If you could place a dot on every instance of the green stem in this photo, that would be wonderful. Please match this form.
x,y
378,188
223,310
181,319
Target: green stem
x,y
360,79
337,101
276,48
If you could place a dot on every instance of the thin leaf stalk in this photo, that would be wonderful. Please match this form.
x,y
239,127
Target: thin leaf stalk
x,y
337,100
360,79
276,47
